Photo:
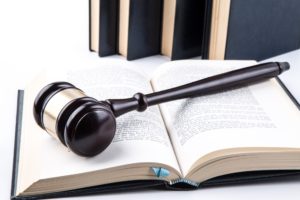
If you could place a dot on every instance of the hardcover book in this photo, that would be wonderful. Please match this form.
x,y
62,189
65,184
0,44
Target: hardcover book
x,y
244,134
184,28
103,25
253,29
140,28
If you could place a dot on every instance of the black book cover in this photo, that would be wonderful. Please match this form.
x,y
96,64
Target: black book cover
x,y
289,93
189,28
206,29
144,32
262,29
235,179
108,27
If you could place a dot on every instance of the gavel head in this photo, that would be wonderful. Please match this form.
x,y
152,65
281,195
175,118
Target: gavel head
x,y
83,124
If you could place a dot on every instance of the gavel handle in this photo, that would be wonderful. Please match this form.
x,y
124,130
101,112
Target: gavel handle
x,y
210,85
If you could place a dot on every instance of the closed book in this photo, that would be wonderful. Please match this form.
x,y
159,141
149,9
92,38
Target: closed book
x,y
254,29
140,28
103,17
183,30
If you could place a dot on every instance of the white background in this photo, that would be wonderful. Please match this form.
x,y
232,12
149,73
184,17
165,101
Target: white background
x,y
38,34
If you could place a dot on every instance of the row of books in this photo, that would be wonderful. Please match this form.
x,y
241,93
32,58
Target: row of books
x,y
181,29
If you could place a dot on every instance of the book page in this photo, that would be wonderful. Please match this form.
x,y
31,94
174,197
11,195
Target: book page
x,y
260,115
140,137
147,127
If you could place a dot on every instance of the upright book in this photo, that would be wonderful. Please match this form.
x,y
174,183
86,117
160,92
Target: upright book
x,y
235,136
140,28
253,29
185,28
103,19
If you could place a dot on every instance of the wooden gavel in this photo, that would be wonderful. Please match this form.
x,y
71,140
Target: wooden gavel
x,y
87,126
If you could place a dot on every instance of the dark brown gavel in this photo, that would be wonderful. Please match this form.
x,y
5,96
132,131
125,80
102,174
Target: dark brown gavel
x,y
87,126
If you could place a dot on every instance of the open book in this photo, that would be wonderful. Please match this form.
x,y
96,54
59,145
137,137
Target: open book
x,y
186,142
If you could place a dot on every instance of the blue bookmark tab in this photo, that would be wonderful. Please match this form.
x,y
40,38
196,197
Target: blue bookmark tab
x,y
160,172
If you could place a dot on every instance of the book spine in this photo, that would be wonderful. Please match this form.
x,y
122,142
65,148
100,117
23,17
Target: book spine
x,y
206,29
161,172
144,32
188,29
260,34
186,181
108,27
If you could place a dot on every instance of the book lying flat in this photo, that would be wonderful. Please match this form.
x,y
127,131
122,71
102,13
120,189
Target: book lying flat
x,y
239,135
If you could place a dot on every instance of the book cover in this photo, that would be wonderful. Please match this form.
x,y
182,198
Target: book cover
x,y
140,28
103,26
185,25
254,29
188,29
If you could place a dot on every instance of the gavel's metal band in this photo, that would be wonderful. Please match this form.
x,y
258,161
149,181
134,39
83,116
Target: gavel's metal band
x,y
55,106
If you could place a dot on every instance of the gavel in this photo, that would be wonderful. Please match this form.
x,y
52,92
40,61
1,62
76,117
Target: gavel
x,y
87,126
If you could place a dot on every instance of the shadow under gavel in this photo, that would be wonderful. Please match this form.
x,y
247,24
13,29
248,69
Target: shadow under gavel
x,y
87,126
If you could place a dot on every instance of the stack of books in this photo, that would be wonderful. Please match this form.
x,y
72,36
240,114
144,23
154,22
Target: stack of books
x,y
181,29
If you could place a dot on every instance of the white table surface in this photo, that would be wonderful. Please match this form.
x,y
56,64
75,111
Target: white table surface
x,y
37,34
